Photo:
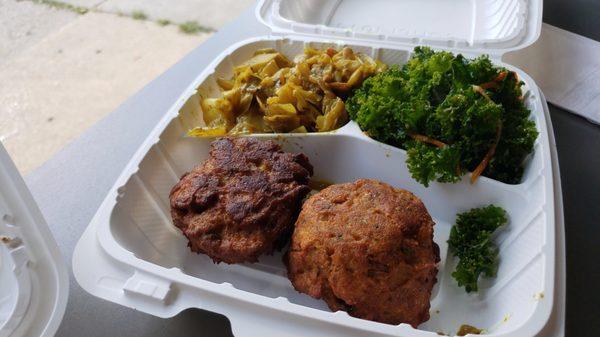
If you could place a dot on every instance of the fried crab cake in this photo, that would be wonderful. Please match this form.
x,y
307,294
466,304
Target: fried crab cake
x,y
366,248
242,201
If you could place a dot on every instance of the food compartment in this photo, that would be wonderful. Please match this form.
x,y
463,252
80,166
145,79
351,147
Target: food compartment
x,y
141,224
191,112
140,221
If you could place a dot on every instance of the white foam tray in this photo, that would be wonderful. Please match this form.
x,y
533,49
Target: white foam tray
x,y
140,260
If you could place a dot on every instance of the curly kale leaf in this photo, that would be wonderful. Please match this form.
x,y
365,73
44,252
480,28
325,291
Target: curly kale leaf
x,y
471,241
375,108
427,163
455,101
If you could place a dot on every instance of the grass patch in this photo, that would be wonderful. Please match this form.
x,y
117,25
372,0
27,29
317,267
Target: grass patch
x,y
139,15
163,22
192,27
62,5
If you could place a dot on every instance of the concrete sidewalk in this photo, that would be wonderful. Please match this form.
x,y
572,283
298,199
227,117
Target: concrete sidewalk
x,y
61,71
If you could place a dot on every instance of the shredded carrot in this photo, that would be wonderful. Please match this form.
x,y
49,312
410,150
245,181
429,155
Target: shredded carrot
x,y
488,85
425,139
488,156
494,83
480,90
501,76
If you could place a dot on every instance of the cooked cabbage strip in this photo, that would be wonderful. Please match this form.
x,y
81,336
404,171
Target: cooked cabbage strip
x,y
270,93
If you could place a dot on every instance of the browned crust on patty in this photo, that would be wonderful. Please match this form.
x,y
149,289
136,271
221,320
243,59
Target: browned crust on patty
x,y
242,200
366,248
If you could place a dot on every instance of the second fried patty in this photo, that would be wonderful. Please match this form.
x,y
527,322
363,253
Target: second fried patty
x,y
242,200
366,248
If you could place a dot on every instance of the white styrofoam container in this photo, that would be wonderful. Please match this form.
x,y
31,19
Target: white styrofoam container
x,y
131,253
34,284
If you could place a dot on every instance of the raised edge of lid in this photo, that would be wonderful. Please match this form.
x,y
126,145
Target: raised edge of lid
x,y
474,26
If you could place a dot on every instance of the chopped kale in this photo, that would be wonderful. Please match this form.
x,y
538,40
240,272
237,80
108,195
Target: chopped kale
x,y
451,114
471,241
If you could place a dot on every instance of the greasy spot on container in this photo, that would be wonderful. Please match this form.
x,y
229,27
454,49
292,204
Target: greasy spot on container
x,y
538,296
317,184
11,242
466,329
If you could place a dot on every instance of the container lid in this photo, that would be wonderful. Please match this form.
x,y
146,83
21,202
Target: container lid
x,y
33,276
482,26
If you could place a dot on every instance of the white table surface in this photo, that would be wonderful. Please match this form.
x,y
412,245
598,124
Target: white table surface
x,y
70,187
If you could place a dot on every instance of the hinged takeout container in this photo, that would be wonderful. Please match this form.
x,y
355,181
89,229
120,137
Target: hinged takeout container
x,y
132,254
34,284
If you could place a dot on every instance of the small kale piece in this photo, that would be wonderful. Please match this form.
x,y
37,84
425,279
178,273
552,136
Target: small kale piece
x,y
449,113
471,241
